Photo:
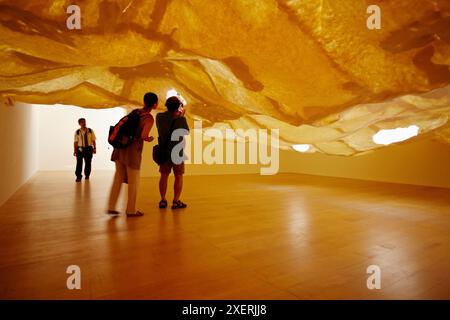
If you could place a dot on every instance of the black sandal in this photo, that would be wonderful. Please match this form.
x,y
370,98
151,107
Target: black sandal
x,y
178,205
113,212
163,204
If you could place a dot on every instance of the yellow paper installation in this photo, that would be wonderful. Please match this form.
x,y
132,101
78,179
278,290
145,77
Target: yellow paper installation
x,y
311,68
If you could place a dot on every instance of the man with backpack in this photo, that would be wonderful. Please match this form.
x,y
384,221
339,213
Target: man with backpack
x,y
128,137
84,147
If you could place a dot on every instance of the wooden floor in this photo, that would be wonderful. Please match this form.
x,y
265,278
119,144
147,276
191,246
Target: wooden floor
x,y
242,237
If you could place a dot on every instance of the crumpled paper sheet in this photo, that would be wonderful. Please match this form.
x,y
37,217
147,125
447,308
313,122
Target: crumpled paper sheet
x,y
310,68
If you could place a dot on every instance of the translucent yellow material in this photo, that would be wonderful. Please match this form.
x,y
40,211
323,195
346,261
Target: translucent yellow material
x,y
310,68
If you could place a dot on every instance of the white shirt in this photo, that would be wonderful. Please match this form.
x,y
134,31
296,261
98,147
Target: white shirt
x,y
80,137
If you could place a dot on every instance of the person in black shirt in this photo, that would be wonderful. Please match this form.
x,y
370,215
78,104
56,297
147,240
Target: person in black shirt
x,y
168,122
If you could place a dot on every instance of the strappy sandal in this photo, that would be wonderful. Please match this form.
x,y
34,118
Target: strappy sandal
x,y
163,204
113,212
136,214
178,205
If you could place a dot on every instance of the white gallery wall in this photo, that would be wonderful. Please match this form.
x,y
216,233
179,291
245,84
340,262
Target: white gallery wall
x,y
57,126
19,132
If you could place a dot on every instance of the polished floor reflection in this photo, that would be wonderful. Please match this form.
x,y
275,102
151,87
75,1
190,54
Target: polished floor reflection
x,y
287,236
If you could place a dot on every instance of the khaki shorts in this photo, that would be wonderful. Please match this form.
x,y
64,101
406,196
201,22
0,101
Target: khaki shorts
x,y
178,169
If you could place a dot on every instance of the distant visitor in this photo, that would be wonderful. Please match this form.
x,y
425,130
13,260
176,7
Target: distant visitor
x,y
84,148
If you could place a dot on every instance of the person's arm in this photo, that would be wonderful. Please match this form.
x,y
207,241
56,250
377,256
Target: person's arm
x,y
185,125
146,130
94,143
75,145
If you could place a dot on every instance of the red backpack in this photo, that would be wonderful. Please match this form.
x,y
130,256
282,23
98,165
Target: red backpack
x,y
124,132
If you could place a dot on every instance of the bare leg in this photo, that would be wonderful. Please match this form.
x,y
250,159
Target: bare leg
x,y
177,187
133,185
163,185
115,188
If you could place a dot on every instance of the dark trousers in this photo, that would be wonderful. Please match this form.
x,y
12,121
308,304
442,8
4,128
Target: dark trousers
x,y
86,154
